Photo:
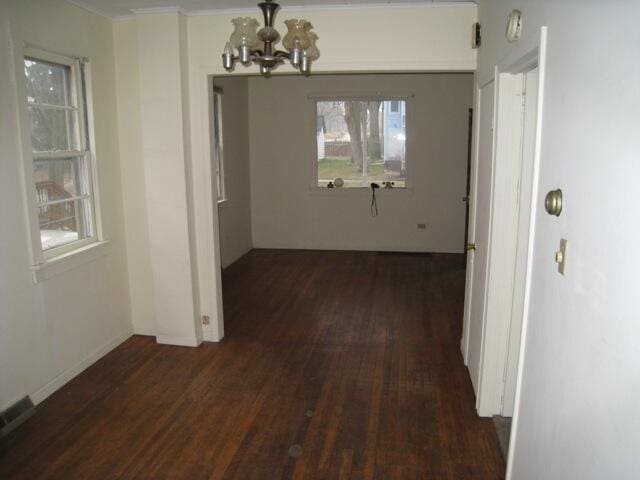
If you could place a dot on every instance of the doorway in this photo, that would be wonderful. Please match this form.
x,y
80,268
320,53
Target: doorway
x,y
504,176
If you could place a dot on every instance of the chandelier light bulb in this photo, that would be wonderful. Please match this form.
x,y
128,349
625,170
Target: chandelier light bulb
x,y
295,56
305,64
227,57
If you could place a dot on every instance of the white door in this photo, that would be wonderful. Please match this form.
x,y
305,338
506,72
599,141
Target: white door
x,y
522,247
479,234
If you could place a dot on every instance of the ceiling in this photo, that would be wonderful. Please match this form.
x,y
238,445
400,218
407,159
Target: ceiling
x,y
123,8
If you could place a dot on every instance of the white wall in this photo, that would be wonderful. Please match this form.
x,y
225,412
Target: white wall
x,y
51,330
577,414
288,211
235,211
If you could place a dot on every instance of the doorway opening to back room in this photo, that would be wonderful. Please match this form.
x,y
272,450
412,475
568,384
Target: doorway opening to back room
x,y
295,158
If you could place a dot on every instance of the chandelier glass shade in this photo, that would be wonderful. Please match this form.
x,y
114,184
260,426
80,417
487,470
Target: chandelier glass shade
x,y
258,46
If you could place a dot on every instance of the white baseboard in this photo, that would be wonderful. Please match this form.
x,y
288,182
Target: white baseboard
x,y
209,336
60,380
145,332
178,341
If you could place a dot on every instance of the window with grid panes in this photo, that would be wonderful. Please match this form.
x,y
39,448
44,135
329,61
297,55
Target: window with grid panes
x,y
62,158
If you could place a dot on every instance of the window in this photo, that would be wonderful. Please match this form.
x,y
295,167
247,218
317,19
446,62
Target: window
x,y
360,142
217,142
62,157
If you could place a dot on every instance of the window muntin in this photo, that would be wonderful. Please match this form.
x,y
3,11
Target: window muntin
x,y
62,160
348,131
218,142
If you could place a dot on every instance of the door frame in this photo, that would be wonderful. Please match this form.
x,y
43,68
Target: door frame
x,y
499,315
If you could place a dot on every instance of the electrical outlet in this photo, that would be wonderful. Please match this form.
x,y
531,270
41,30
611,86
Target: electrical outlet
x,y
422,226
206,319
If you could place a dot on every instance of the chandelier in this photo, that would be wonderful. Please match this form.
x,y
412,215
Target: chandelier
x,y
300,42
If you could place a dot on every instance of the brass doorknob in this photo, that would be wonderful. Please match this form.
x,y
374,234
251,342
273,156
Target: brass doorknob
x,y
471,246
553,202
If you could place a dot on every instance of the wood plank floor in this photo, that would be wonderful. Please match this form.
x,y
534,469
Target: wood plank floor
x,y
352,356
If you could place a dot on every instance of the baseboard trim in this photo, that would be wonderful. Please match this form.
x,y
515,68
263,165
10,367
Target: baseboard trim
x,y
145,332
178,341
39,395
351,248
208,336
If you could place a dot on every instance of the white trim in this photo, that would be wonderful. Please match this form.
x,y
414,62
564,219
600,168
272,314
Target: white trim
x,y
158,10
50,106
471,228
503,232
209,336
254,11
145,332
323,8
542,55
82,99
42,393
178,341
406,66
483,318
58,154
501,255
69,260
60,201
375,249
217,97
39,54
123,18
90,8
211,266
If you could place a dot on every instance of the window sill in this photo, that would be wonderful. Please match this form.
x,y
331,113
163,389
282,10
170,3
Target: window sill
x,y
70,260
359,192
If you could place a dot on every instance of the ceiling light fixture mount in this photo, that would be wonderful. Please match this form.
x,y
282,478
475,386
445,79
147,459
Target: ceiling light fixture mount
x,y
300,42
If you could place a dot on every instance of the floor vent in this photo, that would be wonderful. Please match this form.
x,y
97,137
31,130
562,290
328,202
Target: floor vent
x,y
15,415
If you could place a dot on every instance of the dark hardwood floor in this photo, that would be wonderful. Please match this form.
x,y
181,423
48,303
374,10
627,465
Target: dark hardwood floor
x,y
352,356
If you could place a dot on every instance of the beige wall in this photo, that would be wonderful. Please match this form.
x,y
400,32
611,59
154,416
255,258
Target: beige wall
x,y
235,211
133,177
51,330
289,212
419,39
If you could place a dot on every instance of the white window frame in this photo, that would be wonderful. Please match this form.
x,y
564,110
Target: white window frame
x,y
218,141
79,68
362,97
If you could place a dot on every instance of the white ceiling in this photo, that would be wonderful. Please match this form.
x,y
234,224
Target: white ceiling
x,y
123,8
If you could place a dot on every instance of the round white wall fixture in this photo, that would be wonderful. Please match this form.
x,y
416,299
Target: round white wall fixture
x,y
514,26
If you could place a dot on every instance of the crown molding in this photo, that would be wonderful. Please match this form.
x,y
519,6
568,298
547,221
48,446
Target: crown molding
x,y
252,11
90,8
333,8
158,10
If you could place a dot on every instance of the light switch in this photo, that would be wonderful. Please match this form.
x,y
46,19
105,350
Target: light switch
x,y
561,256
